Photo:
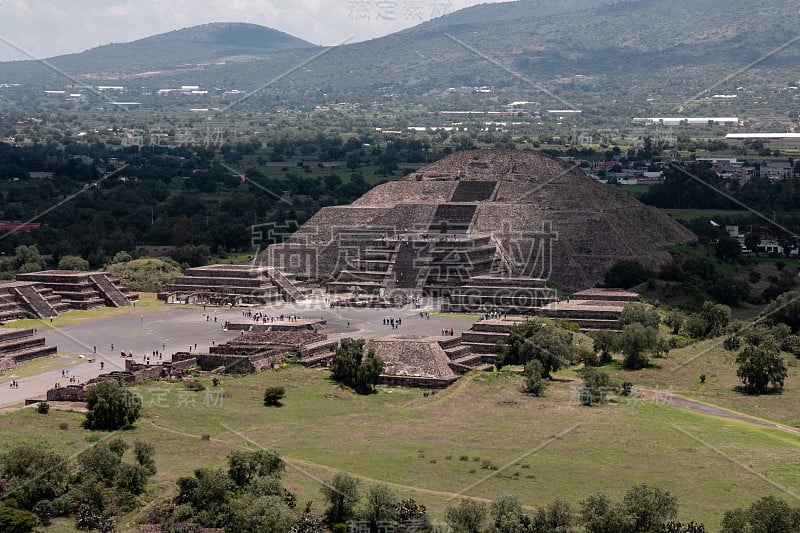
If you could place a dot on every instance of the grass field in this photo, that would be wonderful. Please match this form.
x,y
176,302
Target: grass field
x,y
680,373
543,447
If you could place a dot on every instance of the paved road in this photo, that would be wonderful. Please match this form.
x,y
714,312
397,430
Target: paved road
x,y
177,327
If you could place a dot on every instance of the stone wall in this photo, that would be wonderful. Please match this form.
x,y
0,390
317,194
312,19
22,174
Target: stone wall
x,y
413,381
71,393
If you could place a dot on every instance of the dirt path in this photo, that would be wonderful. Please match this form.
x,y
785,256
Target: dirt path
x,y
712,410
681,402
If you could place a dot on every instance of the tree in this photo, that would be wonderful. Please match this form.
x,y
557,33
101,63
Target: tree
x,y
380,506
144,453
760,367
27,259
209,493
537,339
717,317
650,507
409,512
508,516
73,262
636,341
243,466
639,313
369,373
182,232
111,407
606,343
728,249
32,474
534,380
467,517
765,515
597,385
626,274
556,517
601,515
273,396
264,514
100,463
342,496
132,478
351,368
785,309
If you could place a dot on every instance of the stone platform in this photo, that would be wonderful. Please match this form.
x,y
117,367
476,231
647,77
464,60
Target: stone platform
x,y
233,285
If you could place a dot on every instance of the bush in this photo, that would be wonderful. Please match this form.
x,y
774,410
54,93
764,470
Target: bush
x,y
63,426
639,313
16,520
43,408
194,385
273,396
73,262
534,378
732,343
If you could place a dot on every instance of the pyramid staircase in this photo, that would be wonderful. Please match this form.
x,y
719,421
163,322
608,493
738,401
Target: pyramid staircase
x,y
288,289
462,359
109,291
34,301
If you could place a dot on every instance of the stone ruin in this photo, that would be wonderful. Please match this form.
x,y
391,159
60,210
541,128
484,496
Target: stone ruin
x,y
486,228
256,351
47,293
20,344
233,285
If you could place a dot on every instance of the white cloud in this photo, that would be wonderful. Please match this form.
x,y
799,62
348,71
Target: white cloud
x,y
44,28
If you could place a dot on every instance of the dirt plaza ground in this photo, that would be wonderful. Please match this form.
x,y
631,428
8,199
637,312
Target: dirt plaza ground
x,y
84,343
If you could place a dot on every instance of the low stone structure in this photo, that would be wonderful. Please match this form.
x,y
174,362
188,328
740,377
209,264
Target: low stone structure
x,y
19,344
233,285
49,292
255,351
591,310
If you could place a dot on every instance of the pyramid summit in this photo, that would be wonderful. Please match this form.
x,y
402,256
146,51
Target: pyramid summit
x,y
499,213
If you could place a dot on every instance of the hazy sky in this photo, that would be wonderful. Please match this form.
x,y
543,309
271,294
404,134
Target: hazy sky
x,y
44,28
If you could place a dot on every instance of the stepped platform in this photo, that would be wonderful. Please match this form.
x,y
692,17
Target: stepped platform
x,y
412,356
60,290
20,344
254,351
596,309
233,284
509,294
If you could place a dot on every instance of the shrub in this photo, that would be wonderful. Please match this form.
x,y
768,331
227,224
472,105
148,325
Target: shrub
x,y
43,408
73,262
17,520
732,343
63,426
194,385
273,396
